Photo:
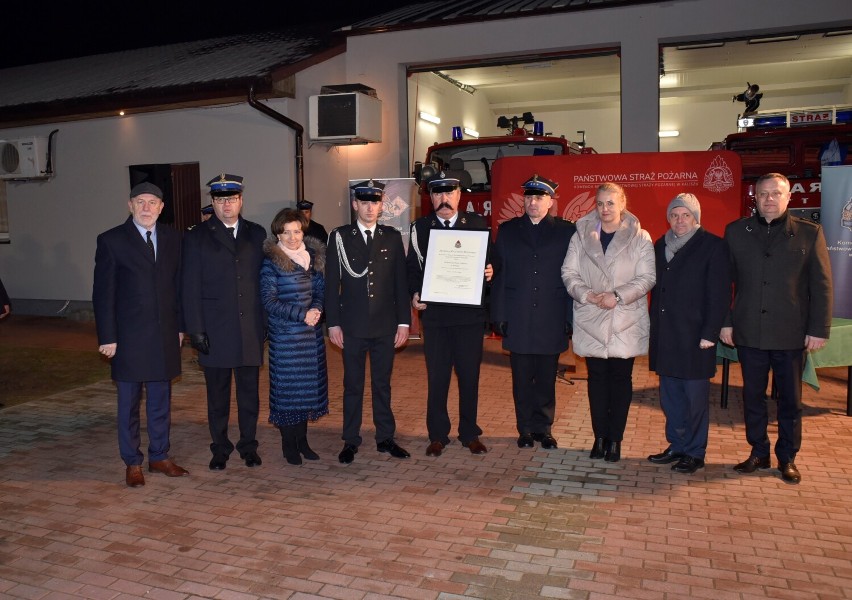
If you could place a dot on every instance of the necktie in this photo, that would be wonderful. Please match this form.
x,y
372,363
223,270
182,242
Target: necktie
x,y
447,224
369,241
231,232
150,243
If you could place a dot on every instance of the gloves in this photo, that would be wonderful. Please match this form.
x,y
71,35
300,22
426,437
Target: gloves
x,y
200,342
501,328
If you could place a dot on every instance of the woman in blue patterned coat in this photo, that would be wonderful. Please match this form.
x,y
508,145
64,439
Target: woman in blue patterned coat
x,y
292,288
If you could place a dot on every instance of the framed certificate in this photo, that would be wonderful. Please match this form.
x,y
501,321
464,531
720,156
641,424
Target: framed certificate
x,y
454,272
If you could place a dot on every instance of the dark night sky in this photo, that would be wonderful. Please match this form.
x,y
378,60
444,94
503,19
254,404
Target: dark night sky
x,y
38,31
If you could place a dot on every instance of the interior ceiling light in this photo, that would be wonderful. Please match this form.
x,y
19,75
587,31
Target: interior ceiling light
x,y
669,133
471,132
700,45
778,38
836,33
430,118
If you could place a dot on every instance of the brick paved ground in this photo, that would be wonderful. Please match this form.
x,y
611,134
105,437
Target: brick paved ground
x,y
512,524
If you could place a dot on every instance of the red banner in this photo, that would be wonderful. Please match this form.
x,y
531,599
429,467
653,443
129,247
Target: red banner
x,y
650,179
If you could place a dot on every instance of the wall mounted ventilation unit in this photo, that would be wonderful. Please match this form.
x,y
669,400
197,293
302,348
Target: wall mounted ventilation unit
x,y
24,158
345,118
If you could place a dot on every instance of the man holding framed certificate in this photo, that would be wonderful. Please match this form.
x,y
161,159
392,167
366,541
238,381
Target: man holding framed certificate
x,y
447,268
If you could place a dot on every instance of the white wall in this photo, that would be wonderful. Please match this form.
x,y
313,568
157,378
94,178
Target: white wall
x,y
54,224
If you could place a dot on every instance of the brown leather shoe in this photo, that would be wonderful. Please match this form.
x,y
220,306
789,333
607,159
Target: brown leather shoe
x,y
134,476
168,468
475,446
435,449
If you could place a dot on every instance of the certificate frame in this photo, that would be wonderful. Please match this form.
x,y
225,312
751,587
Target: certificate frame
x,y
454,271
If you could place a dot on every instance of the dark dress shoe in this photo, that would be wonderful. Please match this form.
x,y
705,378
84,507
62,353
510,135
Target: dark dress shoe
x,y
665,457
598,450
752,464
548,442
435,449
252,459
688,464
613,452
525,440
475,446
134,477
393,449
218,462
789,472
168,468
347,455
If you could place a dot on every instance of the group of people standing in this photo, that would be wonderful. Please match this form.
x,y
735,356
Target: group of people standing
x,y
228,288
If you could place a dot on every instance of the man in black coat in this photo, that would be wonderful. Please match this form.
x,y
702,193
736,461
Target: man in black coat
x,y
782,308
531,309
688,307
366,304
224,315
137,315
452,334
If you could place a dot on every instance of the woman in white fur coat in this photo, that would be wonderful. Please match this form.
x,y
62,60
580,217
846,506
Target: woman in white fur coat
x,y
608,271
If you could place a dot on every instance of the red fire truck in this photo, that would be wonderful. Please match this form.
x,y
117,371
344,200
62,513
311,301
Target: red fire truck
x,y
797,143
471,161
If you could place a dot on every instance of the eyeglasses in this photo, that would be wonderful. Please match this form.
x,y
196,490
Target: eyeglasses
x,y
227,200
775,195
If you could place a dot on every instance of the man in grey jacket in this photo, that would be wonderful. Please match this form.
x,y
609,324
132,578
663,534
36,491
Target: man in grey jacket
x,y
782,307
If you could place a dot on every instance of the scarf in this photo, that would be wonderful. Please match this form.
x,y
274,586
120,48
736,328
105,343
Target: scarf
x,y
299,256
674,243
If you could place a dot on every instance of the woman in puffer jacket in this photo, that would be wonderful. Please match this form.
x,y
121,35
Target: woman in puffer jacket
x,y
609,270
292,288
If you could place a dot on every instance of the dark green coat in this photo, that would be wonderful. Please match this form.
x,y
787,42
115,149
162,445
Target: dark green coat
x,y
782,283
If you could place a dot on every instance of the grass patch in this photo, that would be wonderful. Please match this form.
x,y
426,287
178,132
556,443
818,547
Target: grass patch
x,y
31,373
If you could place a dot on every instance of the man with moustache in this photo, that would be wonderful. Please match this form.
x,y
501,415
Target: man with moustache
x,y
782,308
531,309
452,335
137,315
224,315
366,304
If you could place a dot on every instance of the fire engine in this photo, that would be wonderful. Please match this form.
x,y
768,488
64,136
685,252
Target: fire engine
x,y
471,160
797,143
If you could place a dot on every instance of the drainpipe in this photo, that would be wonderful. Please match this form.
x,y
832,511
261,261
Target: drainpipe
x,y
300,131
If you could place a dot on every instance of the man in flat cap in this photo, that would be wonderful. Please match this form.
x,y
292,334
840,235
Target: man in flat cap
x,y
452,335
315,230
366,304
224,315
531,309
138,320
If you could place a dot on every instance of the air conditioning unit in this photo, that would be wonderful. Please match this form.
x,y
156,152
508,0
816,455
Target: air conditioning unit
x,y
24,158
350,118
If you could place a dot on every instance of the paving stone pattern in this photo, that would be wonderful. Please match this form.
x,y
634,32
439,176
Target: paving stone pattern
x,y
513,524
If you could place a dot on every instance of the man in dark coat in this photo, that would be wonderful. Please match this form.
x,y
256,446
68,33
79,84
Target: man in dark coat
x,y
688,307
315,230
224,316
366,304
137,315
531,309
452,334
782,307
